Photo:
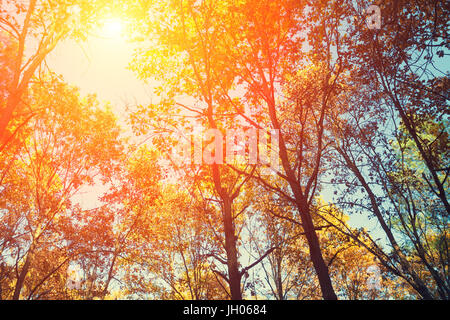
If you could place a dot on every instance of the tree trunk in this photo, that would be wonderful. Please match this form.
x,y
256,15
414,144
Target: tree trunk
x,y
315,253
279,282
234,275
6,117
22,275
420,287
301,202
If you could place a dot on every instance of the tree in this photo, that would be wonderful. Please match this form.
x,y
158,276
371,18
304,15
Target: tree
x,y
39,24
64,152
178,251
288,273
297,91
189,206
192,38
254,49
392,133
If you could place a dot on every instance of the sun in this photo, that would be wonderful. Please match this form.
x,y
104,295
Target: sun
x,y
112,28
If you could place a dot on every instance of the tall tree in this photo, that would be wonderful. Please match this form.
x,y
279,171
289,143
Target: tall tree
x,y
64,152
391,137
33,29
192,39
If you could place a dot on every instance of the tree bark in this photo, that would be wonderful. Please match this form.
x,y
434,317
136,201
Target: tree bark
x,y
315,253
234,276
22,275
301,202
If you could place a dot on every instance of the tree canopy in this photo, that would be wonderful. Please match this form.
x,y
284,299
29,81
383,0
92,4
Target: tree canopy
x,y
290,150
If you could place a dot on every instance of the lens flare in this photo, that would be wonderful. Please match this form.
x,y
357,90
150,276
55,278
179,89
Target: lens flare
x,y
112,28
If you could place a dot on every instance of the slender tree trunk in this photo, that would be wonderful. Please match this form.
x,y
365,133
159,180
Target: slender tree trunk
x,y
6,116
22,275
110,276
234,276
279,282
315,253
426,157
420,287
301,202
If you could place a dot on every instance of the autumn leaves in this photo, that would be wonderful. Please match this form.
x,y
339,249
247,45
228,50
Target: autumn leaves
x,y
345,112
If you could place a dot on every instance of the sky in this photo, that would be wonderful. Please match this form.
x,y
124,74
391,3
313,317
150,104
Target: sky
x,y
99,65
